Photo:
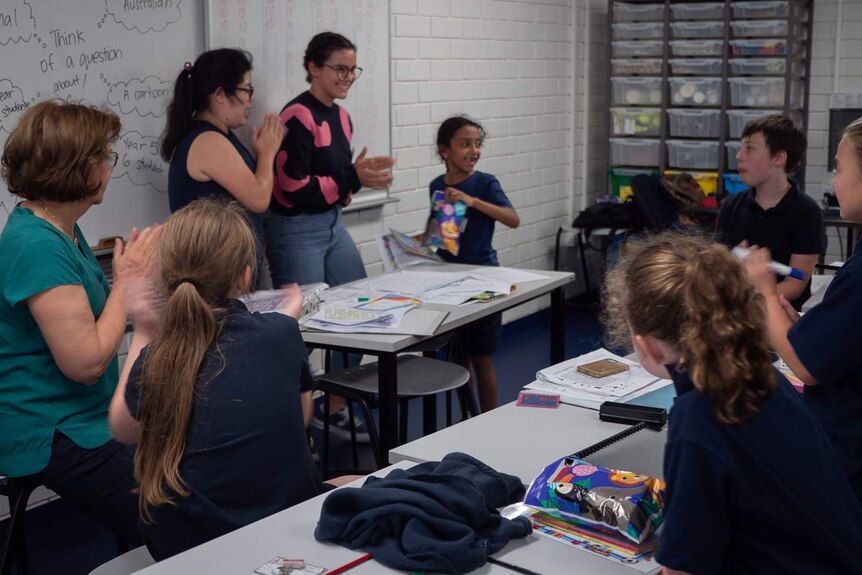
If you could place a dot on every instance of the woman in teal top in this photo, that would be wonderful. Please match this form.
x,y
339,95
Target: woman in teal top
x,y
60,323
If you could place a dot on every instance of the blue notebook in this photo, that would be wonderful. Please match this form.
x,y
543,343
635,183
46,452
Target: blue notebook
x,y
662,398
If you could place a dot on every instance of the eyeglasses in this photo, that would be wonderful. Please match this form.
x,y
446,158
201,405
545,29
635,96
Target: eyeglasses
x,y
249,91
343,71
112,159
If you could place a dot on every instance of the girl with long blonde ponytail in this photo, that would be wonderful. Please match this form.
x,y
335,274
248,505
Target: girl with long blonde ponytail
x,y
753,484
211,392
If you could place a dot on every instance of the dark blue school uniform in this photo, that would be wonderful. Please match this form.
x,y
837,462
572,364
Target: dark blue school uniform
x,y
246,454
481,337
826,339
766,496
476,238
793,226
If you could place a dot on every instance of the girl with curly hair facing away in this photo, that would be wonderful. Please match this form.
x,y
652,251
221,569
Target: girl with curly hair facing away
x,y
753,484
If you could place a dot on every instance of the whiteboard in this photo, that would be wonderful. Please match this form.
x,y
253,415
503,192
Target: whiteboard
x,y
276,33
121,53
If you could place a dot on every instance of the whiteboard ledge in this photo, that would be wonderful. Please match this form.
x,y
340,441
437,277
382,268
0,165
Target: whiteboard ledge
x,y
372,203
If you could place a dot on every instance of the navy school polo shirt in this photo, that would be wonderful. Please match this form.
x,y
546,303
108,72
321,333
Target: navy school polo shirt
x,y
475,247
793,226
767,496
246,453
826,339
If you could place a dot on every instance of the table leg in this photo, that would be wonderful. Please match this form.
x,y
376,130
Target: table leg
x,y
387,377
558,326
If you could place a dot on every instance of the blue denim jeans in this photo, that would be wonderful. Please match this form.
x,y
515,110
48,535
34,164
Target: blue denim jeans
x,y
308,248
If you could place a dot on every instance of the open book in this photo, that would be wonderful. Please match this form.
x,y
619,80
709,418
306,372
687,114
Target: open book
x,y
399,251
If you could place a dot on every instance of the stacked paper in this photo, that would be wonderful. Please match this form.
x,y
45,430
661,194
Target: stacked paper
x,y
577,388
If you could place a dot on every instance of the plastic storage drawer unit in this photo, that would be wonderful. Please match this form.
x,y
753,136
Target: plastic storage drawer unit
x,y
697,29
695,66
776,9
626,67
758,66
732,149
634,152
636,121
759,28
694,123
739,118
698,11
644,91
696,155
758,47
696,48
638,30
751,92
695,91
636,49
627,12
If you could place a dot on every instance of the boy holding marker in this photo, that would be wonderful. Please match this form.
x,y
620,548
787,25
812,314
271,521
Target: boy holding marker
x,y
773,212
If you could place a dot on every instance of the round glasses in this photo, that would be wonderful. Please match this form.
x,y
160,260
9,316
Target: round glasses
x,y
344,72
112,159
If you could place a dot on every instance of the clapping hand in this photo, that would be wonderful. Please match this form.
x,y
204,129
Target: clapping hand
x,y
292,300
374,172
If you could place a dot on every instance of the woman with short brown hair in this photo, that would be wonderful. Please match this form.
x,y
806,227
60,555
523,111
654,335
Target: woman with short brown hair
x,y
60,322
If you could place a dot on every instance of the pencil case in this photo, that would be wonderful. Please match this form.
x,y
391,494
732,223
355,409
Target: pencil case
x,y
614,500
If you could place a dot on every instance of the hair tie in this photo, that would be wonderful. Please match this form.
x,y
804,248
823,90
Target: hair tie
x,y
187,280
188,67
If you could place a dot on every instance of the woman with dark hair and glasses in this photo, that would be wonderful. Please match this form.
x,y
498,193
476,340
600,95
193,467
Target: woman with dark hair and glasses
x,y
315,176
60,322
212,97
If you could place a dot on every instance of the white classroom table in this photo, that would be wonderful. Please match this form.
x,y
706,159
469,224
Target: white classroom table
x,y
290,534
521,441
387,347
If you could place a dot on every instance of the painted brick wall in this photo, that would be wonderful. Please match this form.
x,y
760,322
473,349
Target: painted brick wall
x,y
507,64
823,69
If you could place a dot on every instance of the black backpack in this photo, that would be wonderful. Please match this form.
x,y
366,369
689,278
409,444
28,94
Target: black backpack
x,y
608,215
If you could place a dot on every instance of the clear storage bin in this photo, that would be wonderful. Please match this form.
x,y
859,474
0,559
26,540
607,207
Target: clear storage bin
x,y
732,148
739,118
695,47
638,30
758,47
694,66
762,92
698,11
775,9
634,152
626,12
644,91
696,155
636,49
640,66
759,28
694,123
695,91
636,121
758,66
697,29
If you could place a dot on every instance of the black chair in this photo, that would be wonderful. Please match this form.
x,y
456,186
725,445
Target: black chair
x,y
417,377
18,490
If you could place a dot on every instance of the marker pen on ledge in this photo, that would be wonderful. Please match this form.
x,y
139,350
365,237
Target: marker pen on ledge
x,y
778,268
